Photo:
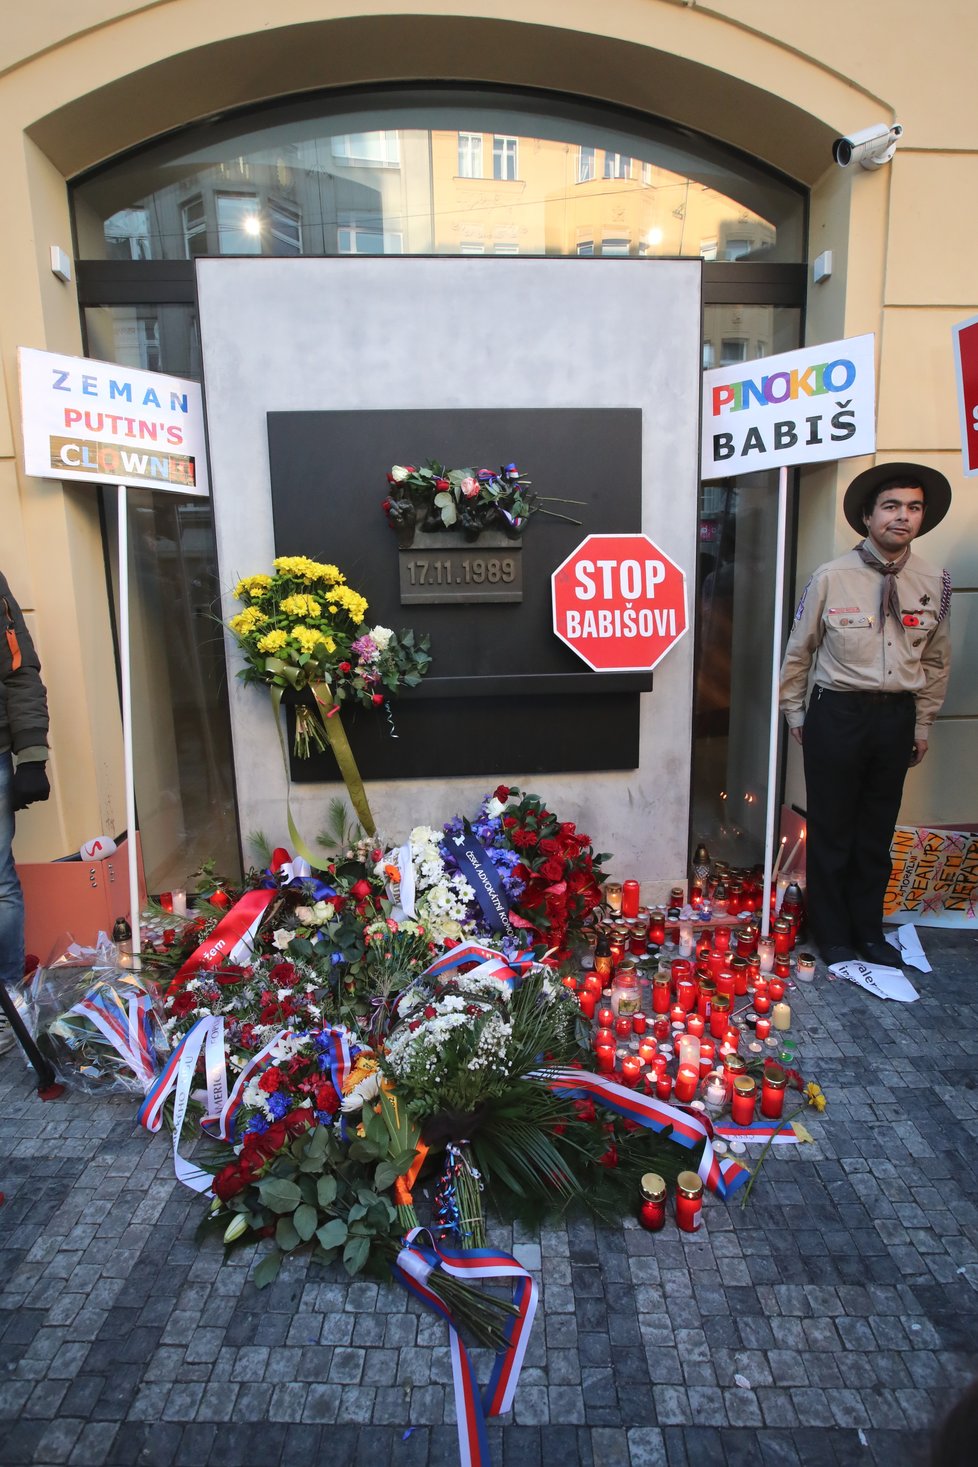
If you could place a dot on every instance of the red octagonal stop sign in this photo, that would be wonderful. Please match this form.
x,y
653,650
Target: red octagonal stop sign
x,y
619,602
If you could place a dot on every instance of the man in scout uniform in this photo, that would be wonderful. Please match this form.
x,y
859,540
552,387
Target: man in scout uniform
x,y
872,626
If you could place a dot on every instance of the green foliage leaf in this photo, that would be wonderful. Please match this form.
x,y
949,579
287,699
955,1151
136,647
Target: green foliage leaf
x,y
286,1235
361,1150
387,1174
355,1254
279,1194
332,1234
267,1271
326,1191
305,1219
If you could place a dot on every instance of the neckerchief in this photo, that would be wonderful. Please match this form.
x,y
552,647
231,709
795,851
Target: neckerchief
x,y
889,570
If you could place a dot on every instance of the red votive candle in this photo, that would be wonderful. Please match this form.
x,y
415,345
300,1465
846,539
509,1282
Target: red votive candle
x,y
742,1103
631,1068
740,967
775,988
686,996
762,1003
605,1036
663,1086
681,969
652,1207
721,939
605,1056
587,1002
662,1028
592,983
677,1014
708,1053
570,983
687,1081
638,1023
629,898
647,1051
689,1202
657,927
783,935
606,1018
696,1024
763,1028
661,993
623,1026
725,982
772,1095
719,1017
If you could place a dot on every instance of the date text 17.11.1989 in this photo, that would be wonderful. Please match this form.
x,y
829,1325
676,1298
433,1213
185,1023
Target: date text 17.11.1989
x,y
463,573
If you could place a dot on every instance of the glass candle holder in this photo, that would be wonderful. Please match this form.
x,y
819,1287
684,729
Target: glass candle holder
x,y
743,1101
772,1095
605,1056
686,995
663,1086
591,982
762,1003
719,1015
638,1023
629,899
652,1202
638,942
715,1092
689,1202
612,896
740,968
705,997
783,933
782,965
662,1028
681,970
696,1025
805,967
678,1014
725,983
626,996
657,927
689,1050
775,988
746,940
631,1068
604,1036
762,1028
687,1082
733,1067
617,944
661,993
765,951
647,1051
178,899
623,1026
721,939
685,939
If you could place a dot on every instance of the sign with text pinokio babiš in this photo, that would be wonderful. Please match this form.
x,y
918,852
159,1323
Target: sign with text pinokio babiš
x,y
800,407
102,423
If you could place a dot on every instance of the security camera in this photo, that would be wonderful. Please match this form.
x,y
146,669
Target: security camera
x,y
870,148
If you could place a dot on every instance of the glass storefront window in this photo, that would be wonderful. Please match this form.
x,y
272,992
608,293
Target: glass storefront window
x,y
437,175
735,617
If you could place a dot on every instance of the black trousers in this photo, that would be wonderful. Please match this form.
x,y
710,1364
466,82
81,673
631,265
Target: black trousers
x,y
857,749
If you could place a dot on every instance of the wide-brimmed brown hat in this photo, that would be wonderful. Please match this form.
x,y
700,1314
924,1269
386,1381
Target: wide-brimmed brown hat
x,y
936,489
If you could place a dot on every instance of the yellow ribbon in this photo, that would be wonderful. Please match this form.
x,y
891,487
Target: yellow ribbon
x,y
328,711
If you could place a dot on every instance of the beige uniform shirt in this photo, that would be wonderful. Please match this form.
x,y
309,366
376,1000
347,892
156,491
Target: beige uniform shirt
x,y
837,631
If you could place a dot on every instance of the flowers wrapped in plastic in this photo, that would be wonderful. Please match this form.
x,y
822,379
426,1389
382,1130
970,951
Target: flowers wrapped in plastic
x,y
99,1021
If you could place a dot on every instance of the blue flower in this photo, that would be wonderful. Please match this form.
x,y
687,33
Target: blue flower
x,y
279,1105
258,1124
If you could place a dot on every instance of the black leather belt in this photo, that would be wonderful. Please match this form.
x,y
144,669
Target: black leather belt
x,y
862,697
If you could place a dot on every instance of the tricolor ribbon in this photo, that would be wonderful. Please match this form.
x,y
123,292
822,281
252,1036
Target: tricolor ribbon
x,y
178,1076
490,963
232,941
284,872
129,1030
722,1177
414,1265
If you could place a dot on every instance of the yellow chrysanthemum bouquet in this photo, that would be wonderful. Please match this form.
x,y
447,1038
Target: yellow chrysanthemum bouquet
x,y
303,629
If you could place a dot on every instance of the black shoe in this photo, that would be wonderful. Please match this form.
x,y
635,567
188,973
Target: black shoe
x,y
881,953
831,955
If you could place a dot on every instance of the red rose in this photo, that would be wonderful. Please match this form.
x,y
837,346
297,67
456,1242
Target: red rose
x,y
230,974
230,1182
442,484
386,504
610,1157
183,1004
360,890
283,974
298,1121
501,793
552,869
376,697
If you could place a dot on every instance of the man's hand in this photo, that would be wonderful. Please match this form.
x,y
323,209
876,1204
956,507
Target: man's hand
x,y
919,750
30,784
796,734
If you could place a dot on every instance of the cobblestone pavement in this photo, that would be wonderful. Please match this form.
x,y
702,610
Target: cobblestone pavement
x,y
831,1322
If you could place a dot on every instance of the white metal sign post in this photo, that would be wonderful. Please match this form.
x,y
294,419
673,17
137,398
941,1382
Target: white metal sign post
x,y
101,423
809,406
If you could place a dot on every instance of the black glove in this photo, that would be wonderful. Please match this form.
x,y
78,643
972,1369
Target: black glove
x,y
30,784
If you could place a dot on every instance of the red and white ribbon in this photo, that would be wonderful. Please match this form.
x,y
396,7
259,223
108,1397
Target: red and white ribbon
x,y
178,1076
128,1031
232,941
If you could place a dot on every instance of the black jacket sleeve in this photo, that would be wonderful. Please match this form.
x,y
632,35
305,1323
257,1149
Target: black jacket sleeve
x,y
23,700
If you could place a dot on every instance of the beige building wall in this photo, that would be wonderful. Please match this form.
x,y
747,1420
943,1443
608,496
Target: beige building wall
x,y
79,86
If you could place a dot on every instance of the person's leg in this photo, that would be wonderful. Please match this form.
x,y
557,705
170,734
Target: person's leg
x,y
890,747
833,748
11,896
